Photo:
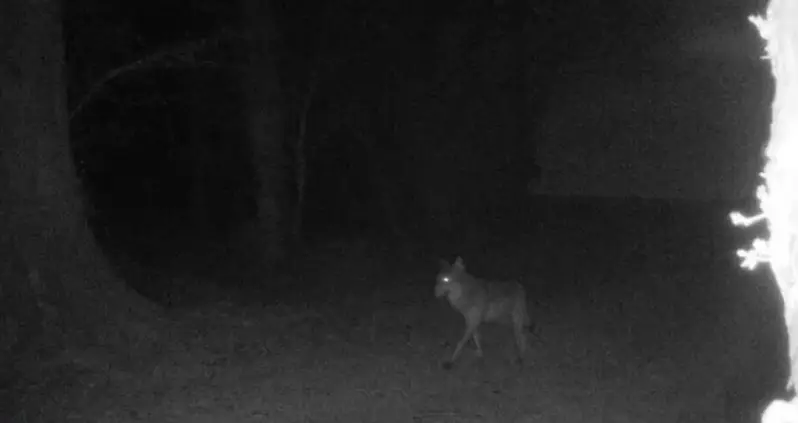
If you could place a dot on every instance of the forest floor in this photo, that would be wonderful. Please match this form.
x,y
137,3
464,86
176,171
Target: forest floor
x,y
640,318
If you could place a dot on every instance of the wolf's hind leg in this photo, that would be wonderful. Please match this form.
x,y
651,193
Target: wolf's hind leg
x,y
475,337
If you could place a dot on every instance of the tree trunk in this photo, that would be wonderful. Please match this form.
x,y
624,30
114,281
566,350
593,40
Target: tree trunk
x,y
265,120
199,154
57,284
300,157
387,173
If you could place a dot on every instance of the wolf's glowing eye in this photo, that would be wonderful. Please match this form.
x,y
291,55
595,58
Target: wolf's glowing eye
x,y
445,280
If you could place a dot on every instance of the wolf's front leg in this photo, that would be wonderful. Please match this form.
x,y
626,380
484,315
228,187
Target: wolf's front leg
x,y
469,333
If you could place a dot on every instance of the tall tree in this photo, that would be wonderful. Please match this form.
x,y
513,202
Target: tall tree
x,y
265,119
56,281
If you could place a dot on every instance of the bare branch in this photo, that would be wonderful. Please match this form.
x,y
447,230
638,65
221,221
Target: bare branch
x,y
185,54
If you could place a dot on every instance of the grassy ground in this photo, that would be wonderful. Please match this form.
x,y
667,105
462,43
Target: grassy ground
x,y
642,317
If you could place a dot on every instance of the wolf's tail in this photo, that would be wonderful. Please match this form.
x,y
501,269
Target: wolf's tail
x,y
532,328
527,321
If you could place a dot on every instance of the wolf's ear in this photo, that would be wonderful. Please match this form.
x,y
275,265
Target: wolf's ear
x,y
459,263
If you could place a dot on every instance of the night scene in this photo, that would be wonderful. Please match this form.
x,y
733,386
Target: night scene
x,y
389,211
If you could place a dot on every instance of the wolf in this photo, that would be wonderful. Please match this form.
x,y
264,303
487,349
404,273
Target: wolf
x,y
479,301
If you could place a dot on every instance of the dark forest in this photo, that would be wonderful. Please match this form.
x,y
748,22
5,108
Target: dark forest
x,y
236,211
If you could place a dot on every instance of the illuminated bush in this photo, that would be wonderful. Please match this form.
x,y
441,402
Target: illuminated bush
x,y
778,195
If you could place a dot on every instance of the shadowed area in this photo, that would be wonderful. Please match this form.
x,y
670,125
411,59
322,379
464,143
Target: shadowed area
x,y
642,312
259,195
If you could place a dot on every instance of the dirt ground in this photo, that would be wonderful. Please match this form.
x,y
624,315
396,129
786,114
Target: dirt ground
x,y
641,317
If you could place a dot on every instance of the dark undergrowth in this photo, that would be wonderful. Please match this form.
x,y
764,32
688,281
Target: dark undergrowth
x,y
642,312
